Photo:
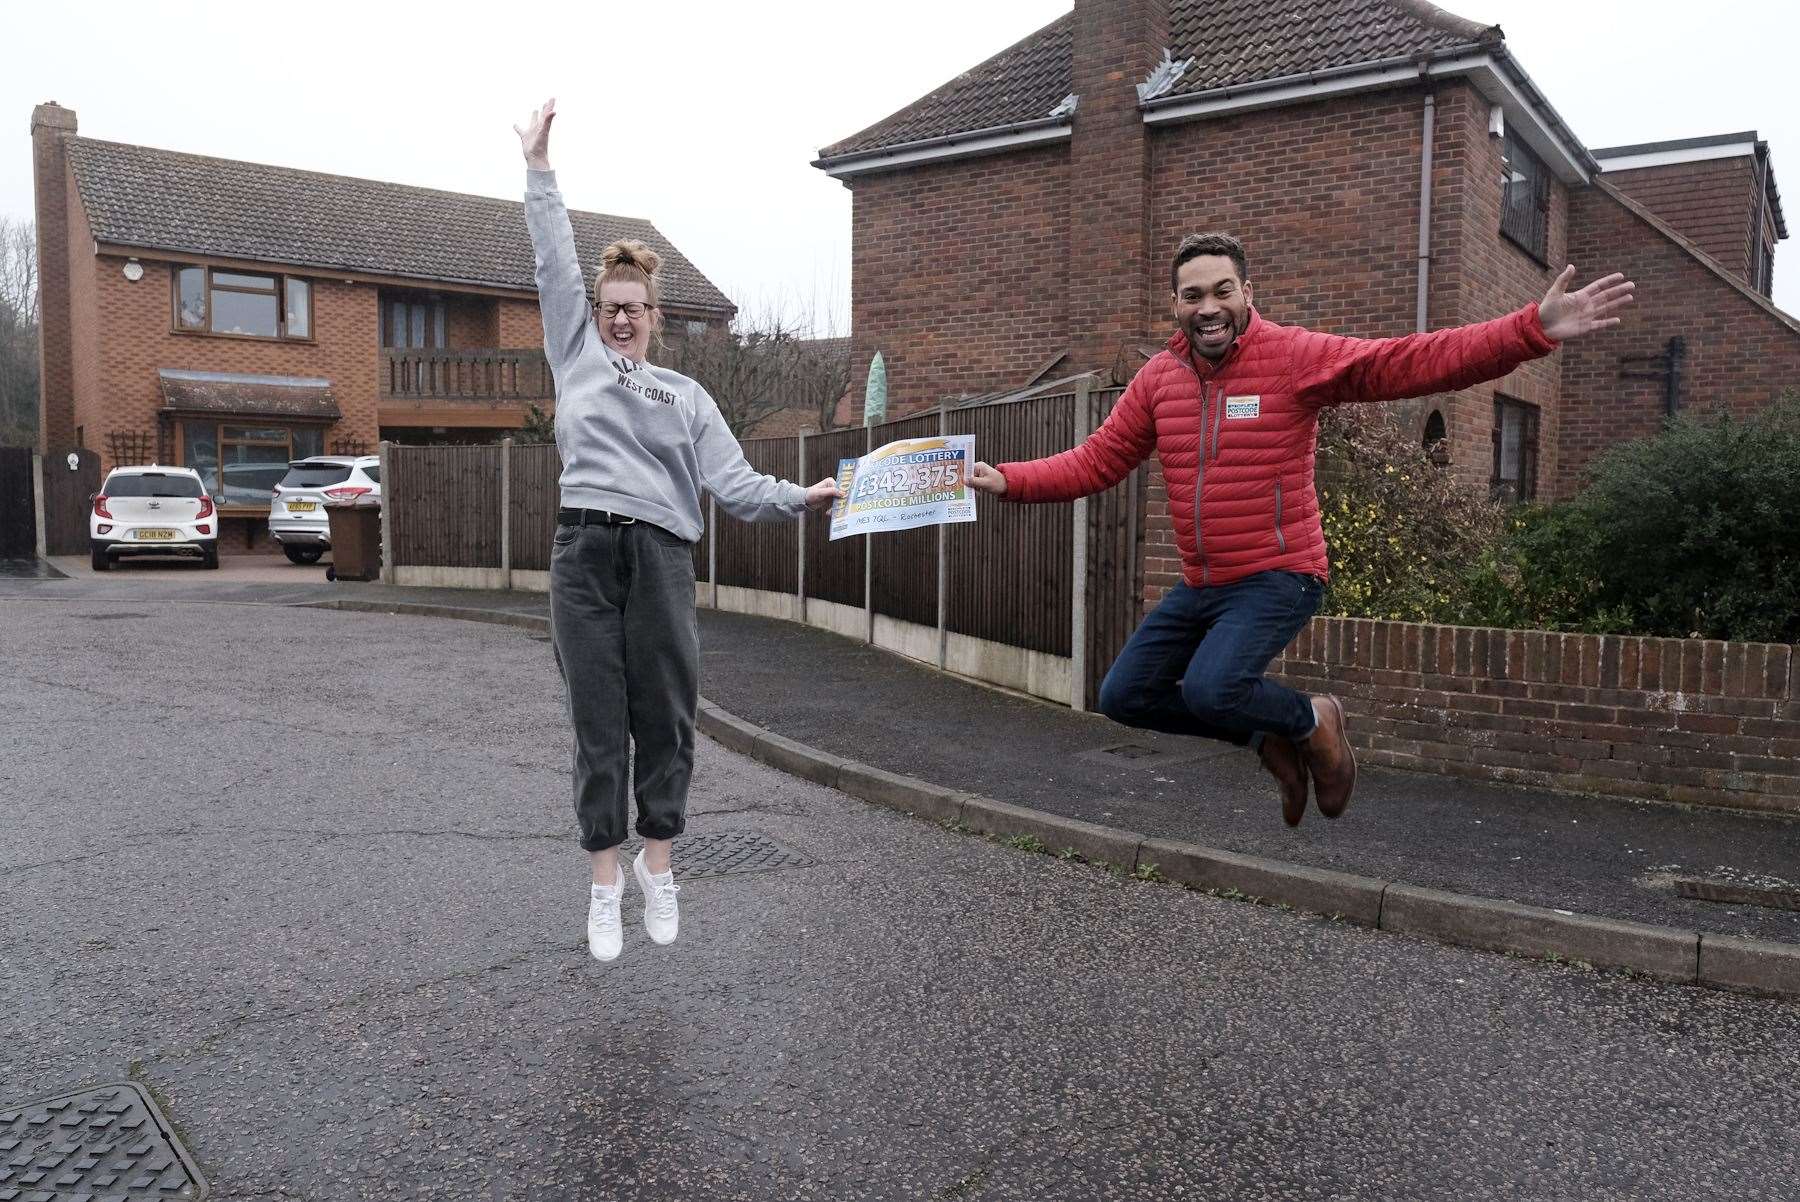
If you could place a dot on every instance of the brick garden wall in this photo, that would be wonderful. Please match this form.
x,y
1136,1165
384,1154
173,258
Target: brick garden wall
x,y
1683,720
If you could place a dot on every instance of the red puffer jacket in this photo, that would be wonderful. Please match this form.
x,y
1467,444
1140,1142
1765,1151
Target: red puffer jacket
x,y
1240,435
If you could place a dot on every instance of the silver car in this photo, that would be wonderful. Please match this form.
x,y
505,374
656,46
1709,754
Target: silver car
x,y
297,510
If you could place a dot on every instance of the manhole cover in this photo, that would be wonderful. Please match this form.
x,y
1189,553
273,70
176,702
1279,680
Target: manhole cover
x,y
1739,895
723,853
107,1144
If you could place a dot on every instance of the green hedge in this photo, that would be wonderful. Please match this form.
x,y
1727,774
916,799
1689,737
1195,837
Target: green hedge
x,y
1693,533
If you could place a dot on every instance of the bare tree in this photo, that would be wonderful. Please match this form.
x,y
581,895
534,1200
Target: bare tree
x,y
821,376
743,371
18,332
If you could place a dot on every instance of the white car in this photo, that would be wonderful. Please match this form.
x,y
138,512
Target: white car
x,y
297,510
153,510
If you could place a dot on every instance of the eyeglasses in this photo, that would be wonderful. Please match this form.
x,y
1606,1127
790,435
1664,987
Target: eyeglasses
x,y
633,309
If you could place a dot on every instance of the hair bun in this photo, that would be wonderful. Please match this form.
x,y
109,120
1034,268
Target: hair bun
x,y
630,254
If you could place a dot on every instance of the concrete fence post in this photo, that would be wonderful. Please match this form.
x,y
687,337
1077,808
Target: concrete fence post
x,y
712,548
868,559
506,562
800,526
388,561
943,559
1078,542
38,501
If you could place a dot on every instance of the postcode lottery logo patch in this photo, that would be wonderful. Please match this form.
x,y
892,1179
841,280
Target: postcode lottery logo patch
x,y
1243,406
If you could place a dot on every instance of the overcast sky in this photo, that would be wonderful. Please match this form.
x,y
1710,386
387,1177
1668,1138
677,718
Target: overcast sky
x,y
704,116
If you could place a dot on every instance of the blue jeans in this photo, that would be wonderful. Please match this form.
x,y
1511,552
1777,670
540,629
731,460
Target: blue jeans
x,y
1195,667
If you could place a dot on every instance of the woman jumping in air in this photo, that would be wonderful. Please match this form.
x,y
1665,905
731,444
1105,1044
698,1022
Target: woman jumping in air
x,y
639,443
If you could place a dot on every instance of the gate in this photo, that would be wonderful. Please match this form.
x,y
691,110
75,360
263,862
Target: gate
x,y
18,505
71,476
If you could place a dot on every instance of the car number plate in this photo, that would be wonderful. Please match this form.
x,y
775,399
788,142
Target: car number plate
x,y
152,535
301,506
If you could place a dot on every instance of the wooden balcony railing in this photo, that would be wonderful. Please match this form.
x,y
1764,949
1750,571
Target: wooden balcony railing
x,y
475,374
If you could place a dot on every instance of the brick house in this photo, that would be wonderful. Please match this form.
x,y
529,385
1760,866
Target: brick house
x,y
1389,165
231,316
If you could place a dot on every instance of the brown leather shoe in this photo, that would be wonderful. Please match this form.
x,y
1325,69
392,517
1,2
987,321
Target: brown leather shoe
x,y
1330,759
1285,763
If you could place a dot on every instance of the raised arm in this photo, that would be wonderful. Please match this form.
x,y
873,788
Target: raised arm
x,y
1332,370
562,298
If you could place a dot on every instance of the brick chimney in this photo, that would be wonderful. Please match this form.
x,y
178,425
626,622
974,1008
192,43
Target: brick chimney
x,y
1117,43
51,127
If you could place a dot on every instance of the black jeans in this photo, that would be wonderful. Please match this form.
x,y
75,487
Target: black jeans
x,y
628,644
1195,667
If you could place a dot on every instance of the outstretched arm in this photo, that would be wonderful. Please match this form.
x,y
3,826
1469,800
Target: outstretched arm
x,y
562,298
1098,462
746,493
1332,370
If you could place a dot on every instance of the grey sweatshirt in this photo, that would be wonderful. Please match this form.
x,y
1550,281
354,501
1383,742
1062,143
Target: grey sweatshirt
x,y
635,439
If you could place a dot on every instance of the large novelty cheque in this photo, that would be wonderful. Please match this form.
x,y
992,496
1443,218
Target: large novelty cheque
x,y
915,482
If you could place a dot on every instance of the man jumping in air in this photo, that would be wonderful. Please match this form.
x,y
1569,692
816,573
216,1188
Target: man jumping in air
x,y
1231,408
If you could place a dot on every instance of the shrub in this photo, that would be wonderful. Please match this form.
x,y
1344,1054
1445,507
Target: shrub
x,y
1694,533
1402,531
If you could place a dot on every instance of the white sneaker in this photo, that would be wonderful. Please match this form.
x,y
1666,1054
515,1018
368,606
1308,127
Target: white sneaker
x,y
662,919
605,938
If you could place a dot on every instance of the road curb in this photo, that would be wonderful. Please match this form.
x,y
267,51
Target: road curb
x,y
1318,890
1750,965
1668,953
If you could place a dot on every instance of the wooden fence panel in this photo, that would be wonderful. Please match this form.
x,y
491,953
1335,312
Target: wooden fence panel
x,y
445,506
764,555
834,570
1010,572
904,567
1115,563
536,468
18,504
65,500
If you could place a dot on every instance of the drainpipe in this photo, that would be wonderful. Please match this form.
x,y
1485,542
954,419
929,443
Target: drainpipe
x,y
1419,321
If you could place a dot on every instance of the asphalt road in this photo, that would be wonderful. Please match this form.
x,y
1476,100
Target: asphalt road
x,y
310,877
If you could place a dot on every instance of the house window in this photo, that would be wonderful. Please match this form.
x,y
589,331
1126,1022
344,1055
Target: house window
x,y
243,463
1525,199
696,329
1515,451
243,304
412,323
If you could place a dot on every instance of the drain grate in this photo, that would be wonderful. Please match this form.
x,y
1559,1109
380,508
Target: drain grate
x,y
1738,895
105,1143
725,853
114,617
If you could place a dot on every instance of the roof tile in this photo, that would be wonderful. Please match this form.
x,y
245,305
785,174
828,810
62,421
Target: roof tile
x,y
1232,42
185,203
